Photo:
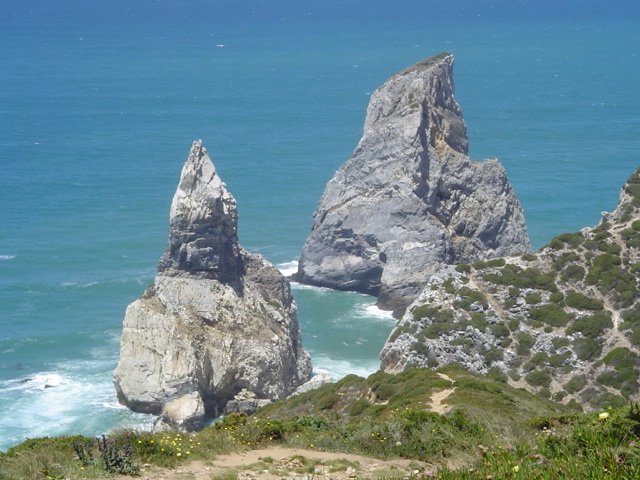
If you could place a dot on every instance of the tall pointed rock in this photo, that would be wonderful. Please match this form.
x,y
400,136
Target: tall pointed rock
x,y
217,324
409,199
203,238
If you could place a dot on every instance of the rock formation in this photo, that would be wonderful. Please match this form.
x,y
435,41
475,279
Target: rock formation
x,y
217,321
563,323
410,199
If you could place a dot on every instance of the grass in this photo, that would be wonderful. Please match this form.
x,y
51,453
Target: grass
x,y
490,426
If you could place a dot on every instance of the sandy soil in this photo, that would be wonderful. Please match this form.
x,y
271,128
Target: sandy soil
x,y
283,464
243,467
438,398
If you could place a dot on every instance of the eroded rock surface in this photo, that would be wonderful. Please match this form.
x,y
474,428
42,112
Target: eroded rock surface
x,y
563,323
216,321
410,199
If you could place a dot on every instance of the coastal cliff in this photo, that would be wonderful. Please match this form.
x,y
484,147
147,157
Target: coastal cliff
x,y
409,199
218,324
563,323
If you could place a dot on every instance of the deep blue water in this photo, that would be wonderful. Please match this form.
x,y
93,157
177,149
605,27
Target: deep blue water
x,y
100,101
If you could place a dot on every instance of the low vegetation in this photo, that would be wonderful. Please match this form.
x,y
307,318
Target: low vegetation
x,y
491,429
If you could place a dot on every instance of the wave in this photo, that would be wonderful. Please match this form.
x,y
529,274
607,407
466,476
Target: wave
x,y
39,381
7,257
79,285
55,403
288,268
339,368
373,311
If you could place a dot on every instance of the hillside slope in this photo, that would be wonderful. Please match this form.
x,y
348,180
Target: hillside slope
x,y
563,323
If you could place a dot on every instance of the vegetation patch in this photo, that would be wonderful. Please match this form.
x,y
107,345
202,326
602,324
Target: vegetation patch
x,y
551,314
527,278
468,297
592,326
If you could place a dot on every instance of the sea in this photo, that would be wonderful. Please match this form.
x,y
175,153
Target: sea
x,y
100,101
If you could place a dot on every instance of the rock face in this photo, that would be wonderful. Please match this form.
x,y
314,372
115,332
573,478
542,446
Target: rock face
x,y
563,323
410,199
216,321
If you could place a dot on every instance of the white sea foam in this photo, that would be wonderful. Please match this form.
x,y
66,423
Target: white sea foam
x,y
319,290
288,268
7,257
56,403
79,285
339,368
39,381
372,311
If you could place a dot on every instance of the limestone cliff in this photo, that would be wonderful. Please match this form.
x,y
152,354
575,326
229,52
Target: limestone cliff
x,y
563,323
217,321
410,199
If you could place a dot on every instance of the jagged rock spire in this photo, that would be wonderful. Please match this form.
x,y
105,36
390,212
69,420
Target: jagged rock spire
x,y
203,225
218,325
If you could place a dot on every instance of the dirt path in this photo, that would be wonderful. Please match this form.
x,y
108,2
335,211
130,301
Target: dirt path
x,y
438,398
282,463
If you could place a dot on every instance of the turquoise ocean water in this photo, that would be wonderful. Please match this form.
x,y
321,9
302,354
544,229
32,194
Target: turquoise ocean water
x,y
100,101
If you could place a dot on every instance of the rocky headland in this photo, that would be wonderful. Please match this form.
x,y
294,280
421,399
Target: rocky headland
x,y
217,330
563,323
409,199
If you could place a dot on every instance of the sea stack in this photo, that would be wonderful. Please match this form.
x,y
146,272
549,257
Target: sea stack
x,y
217,325
409,199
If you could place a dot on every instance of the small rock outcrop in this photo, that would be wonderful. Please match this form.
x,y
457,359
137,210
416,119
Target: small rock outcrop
x,y
217,321
563,323
410,199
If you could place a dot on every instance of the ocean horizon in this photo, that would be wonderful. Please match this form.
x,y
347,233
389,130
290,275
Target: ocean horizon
x,y
100,102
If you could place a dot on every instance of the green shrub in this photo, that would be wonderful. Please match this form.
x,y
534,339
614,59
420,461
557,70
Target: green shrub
x,y
463,268
573,273
498,375
559,359
499,330
587,348
551,314
576,384
494,354
478,320
463,342
617,378
559,342
469,297
528,278
592,326
358,407
479,265
525,342
533,299
509,304
582,302
608,400
384,392
571,239
557,297
538,378
448,286
555,244
496,262
514,324
619,355
435,314
328,401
